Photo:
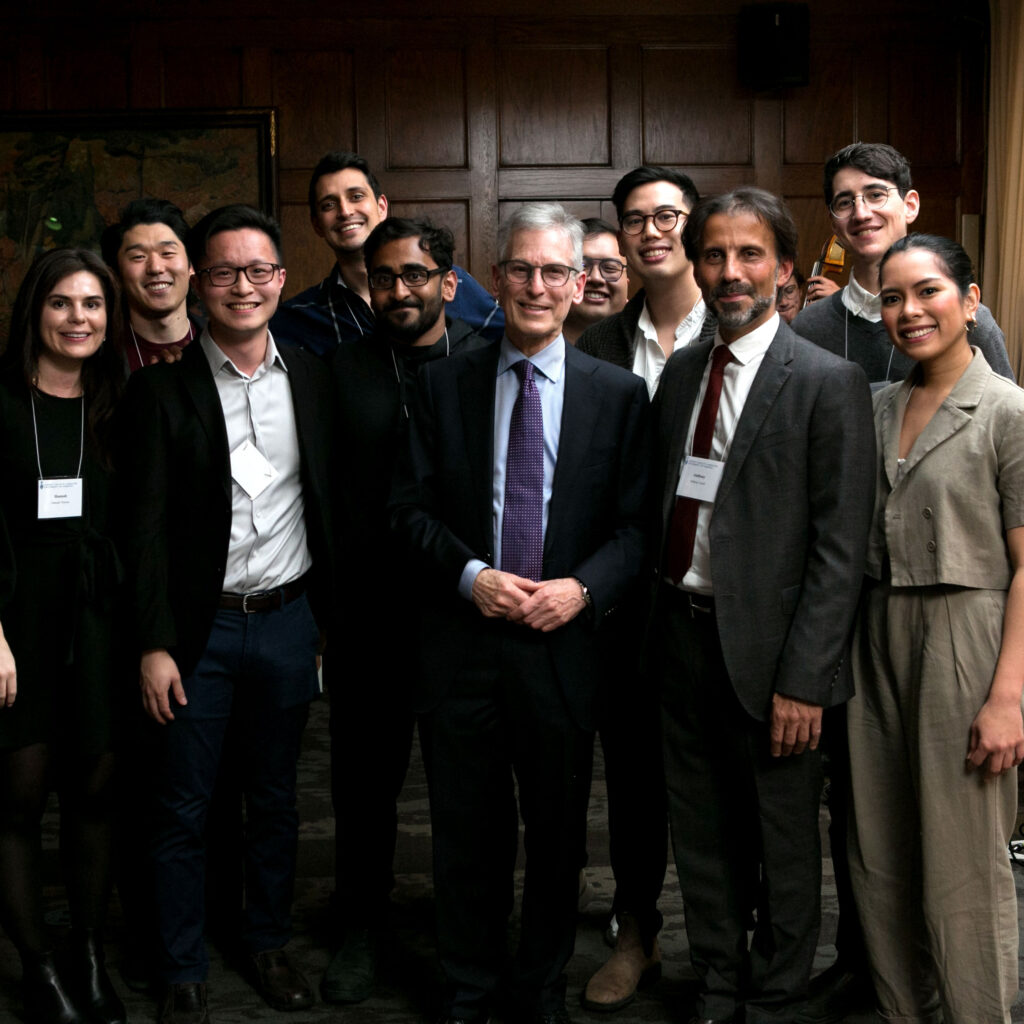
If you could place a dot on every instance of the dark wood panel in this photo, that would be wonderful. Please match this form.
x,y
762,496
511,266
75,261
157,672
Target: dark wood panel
x,y
202,78
306,256
819,119
694,109
309,129
69,89
924,104
426,111
553,106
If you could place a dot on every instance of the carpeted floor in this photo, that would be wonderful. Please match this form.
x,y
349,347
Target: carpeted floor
x,y
408,981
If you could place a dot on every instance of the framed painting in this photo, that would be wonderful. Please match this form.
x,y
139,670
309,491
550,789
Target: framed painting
x,y
65,176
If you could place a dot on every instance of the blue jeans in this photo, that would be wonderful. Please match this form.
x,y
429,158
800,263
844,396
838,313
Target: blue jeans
x,y
258,675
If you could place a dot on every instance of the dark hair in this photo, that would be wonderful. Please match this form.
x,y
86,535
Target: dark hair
x,y
874,158
340,160
767,208
141,211
597,226
797,277
951,257
231,218
644,176
436,241
103,373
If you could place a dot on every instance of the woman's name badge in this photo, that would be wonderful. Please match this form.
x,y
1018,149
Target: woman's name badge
x,y
251,470
700,478
60,498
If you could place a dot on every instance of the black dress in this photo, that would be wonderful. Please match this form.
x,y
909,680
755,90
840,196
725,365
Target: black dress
x,y
59,580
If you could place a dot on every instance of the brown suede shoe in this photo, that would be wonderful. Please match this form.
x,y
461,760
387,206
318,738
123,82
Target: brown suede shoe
x,y
280,982
628,968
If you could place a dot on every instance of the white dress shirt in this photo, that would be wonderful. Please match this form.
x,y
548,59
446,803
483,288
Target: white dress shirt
x,y
268,533
737,378
649,358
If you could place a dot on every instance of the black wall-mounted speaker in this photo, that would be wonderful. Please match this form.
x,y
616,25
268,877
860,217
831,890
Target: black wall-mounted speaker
x,y
774,45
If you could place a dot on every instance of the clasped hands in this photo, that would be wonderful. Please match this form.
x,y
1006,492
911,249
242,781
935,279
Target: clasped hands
x,y
544,606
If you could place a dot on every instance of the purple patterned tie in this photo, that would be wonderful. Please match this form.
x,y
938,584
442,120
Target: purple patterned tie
x,y
522,523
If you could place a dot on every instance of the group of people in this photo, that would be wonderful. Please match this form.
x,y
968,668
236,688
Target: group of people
x,y
669,520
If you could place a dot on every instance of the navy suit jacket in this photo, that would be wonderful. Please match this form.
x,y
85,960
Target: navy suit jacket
x,y
175,485
790,522
442,513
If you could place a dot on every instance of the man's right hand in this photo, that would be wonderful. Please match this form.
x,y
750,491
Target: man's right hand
x,y
158,678
497,594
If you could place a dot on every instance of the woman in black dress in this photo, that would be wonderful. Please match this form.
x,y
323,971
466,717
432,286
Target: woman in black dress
x,y
61,374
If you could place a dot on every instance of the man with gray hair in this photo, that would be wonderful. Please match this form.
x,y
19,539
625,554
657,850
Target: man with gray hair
x,y
520,499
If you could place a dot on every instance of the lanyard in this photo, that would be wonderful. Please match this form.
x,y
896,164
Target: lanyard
x,y
142,362
35,434
398,373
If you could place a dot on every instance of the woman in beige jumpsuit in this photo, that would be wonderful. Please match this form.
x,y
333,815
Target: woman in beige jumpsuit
x,y
935,729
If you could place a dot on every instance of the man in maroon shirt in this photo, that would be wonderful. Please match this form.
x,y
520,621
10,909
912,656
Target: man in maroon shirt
x,y
146,250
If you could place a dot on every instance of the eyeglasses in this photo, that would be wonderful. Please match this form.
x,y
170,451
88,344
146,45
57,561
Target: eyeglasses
x,y
257,273
552,274
611,270
417,277
874,199
664,220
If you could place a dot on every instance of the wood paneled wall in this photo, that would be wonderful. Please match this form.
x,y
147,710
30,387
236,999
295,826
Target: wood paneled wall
x,y
466,115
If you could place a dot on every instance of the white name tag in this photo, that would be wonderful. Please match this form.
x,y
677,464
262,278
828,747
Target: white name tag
x,y
700,478
251,470
60,498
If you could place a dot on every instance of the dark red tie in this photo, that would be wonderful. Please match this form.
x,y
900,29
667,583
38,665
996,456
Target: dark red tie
x,y
683,530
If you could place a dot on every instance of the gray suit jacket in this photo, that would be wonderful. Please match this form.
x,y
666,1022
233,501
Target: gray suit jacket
x,y
790,522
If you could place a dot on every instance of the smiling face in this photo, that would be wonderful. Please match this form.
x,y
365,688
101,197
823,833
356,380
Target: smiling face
x,y
239,311
535,311
654,254
410,315
922,308
867,234
154,270
73,321
738,272
346,211
601,298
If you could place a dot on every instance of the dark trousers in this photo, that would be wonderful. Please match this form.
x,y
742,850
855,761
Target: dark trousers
x,y
734,809
258,673
504,721
371,740
637,811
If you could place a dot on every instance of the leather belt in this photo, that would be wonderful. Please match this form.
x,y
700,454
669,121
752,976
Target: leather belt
x,y
699,605
264,600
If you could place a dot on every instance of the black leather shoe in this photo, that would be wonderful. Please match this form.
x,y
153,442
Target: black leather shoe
x,y
352,972
184,1003
836,994
280,982
87,974
712,1020
47,1000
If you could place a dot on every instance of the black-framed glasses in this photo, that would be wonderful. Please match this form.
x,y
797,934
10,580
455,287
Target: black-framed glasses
x,y
257,273
664,220
874,199
552,274
611,270
415,277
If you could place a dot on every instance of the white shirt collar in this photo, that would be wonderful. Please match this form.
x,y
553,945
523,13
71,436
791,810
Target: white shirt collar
x,y
753,344
859,301
218,358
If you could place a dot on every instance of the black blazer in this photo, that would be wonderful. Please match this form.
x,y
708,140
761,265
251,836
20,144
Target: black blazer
x,y
175,486
790,521
614,338
442,512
